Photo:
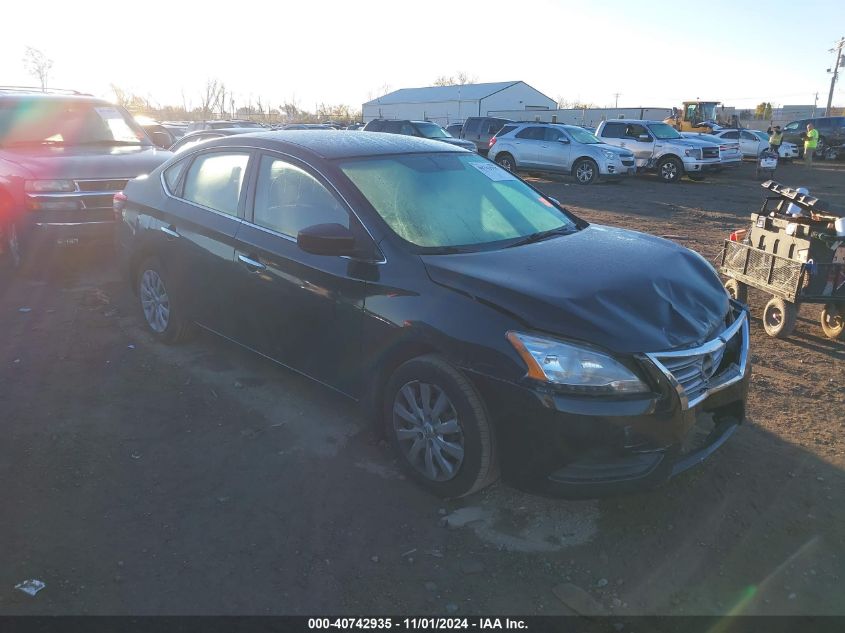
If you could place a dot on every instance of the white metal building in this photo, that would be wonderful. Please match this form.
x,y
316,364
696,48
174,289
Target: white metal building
x,y
451,104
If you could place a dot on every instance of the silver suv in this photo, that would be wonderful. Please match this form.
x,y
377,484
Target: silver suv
x,y
660,147
562,149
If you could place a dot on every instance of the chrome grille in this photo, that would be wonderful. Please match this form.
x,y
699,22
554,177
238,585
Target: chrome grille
x,y
700,371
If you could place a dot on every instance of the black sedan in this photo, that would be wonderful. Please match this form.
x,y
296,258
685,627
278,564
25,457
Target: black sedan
x,y
483,326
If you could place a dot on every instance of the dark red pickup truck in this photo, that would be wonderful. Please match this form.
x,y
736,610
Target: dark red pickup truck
x,y
63,156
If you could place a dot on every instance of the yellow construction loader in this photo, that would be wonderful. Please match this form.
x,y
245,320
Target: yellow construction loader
x,y
696,116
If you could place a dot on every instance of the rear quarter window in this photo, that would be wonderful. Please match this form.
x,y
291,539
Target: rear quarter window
x,y
173,175
472,125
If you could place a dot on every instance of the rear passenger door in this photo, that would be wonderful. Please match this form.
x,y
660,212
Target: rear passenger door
x,y
199,236
750,144
526,144
301,309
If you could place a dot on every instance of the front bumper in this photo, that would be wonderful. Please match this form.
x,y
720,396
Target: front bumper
x,y
616,169
692,165
70,233
581,447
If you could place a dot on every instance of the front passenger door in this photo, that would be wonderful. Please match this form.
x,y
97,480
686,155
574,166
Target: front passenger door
x,y
301,309
555,151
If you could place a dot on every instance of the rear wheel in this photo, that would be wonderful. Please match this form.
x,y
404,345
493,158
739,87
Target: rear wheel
x,y
586,171
670,169
737,290
833,321
438,426
779,317
506,160
161,310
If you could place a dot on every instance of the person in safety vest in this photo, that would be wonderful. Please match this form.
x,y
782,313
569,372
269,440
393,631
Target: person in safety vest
x,y
811,141
775,139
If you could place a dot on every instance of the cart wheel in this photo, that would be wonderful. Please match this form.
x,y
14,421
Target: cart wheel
x,y
779,317
737,290
833,321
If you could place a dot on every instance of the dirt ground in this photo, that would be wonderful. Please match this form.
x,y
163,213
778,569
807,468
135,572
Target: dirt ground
x,y
199,479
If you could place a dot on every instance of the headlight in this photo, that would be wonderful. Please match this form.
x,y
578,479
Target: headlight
x,y
693,153
609,155
42,186
576,368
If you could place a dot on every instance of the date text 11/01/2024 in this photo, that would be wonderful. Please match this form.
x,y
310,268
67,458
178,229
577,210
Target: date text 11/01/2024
x,y
416,623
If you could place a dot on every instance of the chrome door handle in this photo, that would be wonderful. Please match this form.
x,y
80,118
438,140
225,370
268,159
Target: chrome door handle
x,y
253,265
169,232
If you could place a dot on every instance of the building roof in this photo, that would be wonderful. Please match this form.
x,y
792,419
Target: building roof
x,y
467,92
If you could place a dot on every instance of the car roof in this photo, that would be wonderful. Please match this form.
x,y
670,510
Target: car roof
x,y
63,98
331,144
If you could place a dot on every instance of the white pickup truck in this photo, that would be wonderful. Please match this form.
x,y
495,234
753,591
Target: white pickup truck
x,y
660,147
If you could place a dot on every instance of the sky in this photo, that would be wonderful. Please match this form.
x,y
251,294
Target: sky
x,y
653,53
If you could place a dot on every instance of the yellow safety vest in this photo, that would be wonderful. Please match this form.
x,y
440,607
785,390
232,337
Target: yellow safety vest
x,y
776,138
812,139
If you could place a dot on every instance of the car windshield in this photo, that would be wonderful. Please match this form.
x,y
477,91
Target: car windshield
x,y
432,130
444,200
582,136
664,131
52,122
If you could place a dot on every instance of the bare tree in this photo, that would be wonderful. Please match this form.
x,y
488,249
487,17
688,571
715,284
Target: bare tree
x,y
461,78
37,64
210,97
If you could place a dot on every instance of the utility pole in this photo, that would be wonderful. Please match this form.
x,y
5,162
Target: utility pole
x,y
617,95
815,103
837,47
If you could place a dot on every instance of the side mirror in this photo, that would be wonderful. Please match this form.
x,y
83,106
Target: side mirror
x,y
326,239
162,139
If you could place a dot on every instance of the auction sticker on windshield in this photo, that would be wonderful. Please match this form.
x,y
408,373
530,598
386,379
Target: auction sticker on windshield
x,y
493,171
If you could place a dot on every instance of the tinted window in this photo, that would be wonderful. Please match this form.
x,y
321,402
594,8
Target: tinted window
x,y
289,199
393,127
613,130
552,134
173,173
506,130
492,126
731,135
374,126
532,133
793,126
215,180
407,129
635,130
472,125
748,136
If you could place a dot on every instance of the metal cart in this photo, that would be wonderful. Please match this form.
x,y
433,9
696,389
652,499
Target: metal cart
x,y
794,259
767,163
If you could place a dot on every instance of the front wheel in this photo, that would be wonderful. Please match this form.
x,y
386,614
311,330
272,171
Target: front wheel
x,y
11,251
506,160
586,171
833,321
779,317
670,170
439,428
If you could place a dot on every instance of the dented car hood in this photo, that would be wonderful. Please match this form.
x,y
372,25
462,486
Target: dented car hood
x,y
625,291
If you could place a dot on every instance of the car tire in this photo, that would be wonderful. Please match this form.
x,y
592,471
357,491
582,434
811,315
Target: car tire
x,y
670,170
832,319
586,171
779,317
12,258
438,426
737,290
506,161
160,309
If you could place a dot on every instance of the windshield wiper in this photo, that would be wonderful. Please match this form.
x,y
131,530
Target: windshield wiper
x,y
543,235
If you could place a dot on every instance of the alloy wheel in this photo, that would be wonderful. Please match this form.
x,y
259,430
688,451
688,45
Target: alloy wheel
x,y
154,301
669,171
428,431
584,173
